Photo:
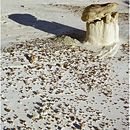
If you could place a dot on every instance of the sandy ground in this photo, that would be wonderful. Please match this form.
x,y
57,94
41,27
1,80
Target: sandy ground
x,y
48,86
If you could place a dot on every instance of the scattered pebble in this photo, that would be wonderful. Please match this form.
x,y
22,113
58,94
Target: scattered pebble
x,y
55,87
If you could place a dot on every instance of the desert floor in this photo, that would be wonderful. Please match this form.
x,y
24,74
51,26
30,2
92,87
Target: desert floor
x,y
47,85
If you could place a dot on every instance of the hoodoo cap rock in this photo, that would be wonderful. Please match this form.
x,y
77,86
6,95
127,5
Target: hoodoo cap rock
x,y
97,11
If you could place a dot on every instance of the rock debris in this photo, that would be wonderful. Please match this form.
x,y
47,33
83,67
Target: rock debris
x,y
63,87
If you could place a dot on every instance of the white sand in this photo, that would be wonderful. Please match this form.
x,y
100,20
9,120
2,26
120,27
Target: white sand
x,y
86,94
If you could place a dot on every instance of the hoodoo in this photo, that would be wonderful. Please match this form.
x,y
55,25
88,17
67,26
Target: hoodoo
x,y
101,24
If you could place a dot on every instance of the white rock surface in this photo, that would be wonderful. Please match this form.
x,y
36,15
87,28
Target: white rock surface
x,y
103,32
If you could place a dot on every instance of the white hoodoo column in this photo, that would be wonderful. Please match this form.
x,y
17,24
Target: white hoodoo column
x,y
103,32
101,24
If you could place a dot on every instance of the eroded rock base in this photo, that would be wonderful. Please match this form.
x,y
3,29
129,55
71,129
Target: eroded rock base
x,y
101,51
104,31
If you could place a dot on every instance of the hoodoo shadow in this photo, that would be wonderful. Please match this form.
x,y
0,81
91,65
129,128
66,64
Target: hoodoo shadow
x,y
49,27
127,2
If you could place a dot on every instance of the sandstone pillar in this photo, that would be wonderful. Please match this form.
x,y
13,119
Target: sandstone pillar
x,y
101,24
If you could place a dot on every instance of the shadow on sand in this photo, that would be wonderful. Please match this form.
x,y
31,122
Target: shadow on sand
x,y
49,27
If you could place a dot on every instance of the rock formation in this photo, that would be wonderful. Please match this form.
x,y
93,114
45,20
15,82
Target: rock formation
x,y
101,24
